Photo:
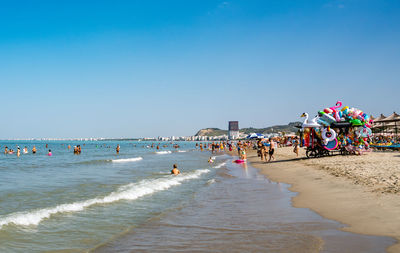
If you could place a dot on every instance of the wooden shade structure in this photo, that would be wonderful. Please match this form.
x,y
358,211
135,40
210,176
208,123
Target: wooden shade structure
x,y
387,125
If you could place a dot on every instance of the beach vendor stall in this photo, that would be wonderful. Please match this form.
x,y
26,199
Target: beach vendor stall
x,y
345,131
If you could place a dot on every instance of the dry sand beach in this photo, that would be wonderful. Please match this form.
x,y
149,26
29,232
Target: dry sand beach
x,y
359,191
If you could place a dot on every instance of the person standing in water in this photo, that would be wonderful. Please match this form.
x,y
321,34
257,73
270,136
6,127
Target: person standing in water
x,y
18,151
117,149
175,170
49,154
5,150
25,150
34,150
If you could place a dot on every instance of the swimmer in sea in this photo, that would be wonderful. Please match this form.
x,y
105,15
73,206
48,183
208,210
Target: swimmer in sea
x,y
34,150
117,149
210,160
49,154
175,170
18,151
25,150
5,150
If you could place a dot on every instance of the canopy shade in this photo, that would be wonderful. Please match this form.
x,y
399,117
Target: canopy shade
x,y
392,118
255,136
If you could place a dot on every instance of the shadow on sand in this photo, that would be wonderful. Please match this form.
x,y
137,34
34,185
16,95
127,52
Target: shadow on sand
x,y
282,161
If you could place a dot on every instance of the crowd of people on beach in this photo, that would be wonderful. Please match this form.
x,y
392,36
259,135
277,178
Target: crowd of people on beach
x,y
388,140
265,147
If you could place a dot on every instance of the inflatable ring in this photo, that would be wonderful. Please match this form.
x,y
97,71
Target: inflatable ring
x,y
363,132
326,137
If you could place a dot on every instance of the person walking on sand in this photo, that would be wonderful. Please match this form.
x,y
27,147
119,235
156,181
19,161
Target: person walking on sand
x,y
271,149
117,149
263,151
175,170
296,147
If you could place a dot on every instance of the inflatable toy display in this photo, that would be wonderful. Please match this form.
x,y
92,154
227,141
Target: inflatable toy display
x,y
347,130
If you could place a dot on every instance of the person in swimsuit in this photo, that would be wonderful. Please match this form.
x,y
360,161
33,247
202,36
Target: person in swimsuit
x,y
175,170
296,146
243,155
271,149
18,151
117,149
34,150
5,150
49,154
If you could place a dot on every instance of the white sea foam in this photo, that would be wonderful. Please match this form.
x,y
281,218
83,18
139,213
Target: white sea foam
x,y
182,151
220,165
135,159
127,192
211,181
163,152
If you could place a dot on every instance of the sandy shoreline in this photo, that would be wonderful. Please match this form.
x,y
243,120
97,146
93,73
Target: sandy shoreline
x,y
359,191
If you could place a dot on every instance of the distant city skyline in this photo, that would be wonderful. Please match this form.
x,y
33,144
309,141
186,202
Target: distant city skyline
x,y
169,68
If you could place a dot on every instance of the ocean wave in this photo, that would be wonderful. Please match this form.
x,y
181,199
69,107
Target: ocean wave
x,y
135,159
182,151
163,152
127,192
211,181
220,165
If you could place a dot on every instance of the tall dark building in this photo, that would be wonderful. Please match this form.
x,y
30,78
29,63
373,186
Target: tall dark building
x,y
233,128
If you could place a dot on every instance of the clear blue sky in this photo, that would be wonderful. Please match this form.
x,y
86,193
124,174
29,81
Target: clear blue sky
x,y
148,68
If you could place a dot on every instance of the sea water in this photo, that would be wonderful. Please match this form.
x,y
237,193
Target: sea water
x,y
105,202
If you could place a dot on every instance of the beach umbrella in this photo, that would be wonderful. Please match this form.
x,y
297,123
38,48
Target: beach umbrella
x,y
255,136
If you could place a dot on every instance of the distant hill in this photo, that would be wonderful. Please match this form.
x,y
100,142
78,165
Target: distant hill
x,y
211,132
291,127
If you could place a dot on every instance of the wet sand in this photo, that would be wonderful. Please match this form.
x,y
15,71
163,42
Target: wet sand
x,y
240,210
359,191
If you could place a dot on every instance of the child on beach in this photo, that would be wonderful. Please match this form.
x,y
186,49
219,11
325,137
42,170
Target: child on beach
x,y
296,147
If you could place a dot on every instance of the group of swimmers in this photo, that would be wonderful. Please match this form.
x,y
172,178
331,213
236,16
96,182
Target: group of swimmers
x,y
25,150
77,149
